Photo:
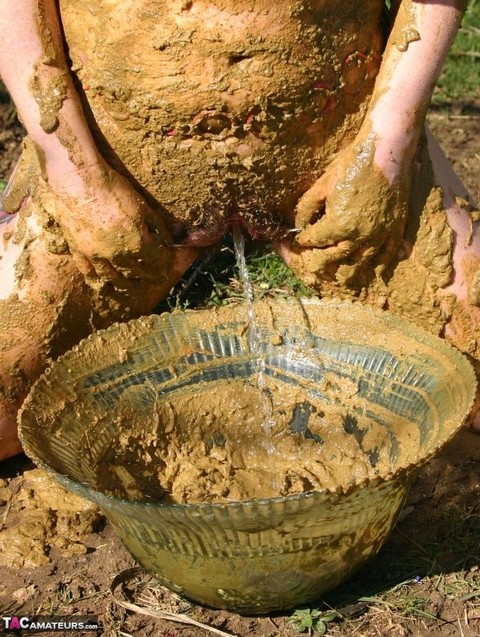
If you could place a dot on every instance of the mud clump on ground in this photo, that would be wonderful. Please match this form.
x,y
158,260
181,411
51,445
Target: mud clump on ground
x,y
231,441
39,517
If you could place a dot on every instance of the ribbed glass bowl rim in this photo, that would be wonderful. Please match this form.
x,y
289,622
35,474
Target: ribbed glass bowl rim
x,y
321,495
316,497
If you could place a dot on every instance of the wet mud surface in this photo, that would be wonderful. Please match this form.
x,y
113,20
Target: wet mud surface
x,y
42,516
249,105
443,501
233,442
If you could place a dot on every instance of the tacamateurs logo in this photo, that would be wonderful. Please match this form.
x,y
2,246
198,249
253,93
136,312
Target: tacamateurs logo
x,y
14,622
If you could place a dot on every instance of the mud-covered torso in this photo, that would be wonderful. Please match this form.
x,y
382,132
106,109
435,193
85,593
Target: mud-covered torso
x,y
224,109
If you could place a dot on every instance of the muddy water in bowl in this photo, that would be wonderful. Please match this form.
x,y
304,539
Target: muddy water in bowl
x,y
210,445
160,422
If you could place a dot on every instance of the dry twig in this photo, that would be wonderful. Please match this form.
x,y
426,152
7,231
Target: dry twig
x,y
180,618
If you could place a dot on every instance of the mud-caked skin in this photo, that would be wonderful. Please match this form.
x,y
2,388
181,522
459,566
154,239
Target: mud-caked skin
x,y
46,306
225,110
155,125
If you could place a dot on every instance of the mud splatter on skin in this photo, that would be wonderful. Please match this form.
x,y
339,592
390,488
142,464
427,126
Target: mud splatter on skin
x,y
47,307
49,98
242,120
404,31
251,105
49,81
223,111
379,212
412,282
50,55
408,35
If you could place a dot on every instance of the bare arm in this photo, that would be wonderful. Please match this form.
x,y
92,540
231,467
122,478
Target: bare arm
x,y
362,199
111,231
34,69
421,37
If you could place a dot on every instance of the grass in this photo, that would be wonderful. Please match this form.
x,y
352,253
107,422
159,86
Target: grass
x,y
398,587
408,581
215,281
307,620
460,79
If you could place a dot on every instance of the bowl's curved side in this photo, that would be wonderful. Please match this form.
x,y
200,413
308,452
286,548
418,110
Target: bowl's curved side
x,y
396,368
268,556
254,556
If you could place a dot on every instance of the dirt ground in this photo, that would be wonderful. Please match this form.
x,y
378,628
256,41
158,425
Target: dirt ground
x,y
430,566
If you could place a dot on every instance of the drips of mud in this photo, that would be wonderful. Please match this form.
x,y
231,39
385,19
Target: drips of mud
x,y
208,445
41,516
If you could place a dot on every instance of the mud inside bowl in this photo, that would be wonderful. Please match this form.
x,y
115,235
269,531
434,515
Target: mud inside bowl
x,y
249,468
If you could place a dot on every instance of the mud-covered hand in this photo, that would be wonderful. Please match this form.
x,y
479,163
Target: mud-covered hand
x,y
110,230
353,212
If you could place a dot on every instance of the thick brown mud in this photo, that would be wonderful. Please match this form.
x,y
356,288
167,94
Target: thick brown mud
x,y
235,441
183,408
222,109
40,516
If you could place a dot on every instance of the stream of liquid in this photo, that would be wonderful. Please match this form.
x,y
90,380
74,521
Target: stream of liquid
x,y
268,423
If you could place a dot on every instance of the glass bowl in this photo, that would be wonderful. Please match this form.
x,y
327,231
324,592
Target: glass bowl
x,y
398,394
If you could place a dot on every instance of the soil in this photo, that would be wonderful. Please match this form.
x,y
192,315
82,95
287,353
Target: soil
x,y
433,548
11,135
